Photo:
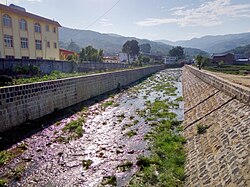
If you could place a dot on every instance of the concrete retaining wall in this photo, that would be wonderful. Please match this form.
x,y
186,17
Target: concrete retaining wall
x,y
241,93
31,101
47,66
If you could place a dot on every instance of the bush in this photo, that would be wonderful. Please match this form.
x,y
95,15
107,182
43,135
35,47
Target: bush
x,y
201,129
5,80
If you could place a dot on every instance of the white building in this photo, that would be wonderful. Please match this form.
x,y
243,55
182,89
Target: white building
x,y
123,57
169,59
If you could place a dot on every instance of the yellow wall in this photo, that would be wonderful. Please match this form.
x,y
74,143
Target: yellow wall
x,y
17,51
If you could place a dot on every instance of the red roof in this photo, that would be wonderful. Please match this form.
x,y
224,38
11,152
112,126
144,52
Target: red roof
x,y
27,14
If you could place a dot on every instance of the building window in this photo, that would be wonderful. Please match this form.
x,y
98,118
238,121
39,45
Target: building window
x,y
9,57
7,21
23,25
39,44
55,45
39,58
25,57
47,28
8,40
37,27
54,30
24,43
48,44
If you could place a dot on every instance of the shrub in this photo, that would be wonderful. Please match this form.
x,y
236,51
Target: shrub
x,y
5,80
201,129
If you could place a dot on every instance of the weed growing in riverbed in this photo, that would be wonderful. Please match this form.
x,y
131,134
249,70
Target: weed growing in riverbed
x,y
131,133
74,127
5,156
125,166
165,166
109,180
106,104
86,164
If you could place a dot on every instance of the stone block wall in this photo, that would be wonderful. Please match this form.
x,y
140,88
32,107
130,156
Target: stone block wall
x,y
220,155
241,93
31,101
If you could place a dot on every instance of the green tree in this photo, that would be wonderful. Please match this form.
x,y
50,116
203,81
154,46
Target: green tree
x,y
145,59
89,53
177,52
131,48
199,61
145,48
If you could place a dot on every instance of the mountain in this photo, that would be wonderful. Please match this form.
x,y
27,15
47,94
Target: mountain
x,y
243,50
215,44
111,43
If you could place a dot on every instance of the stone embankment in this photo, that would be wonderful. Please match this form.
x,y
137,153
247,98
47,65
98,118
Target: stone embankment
x,y
219,156
21,103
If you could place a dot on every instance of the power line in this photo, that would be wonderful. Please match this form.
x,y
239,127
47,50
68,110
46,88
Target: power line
x,y
103,15
96,19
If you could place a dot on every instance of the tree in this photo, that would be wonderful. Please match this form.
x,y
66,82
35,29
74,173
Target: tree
x,y
89,53
177,52
145,48
131,48
199,61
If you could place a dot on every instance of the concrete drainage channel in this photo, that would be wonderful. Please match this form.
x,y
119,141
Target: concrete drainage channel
x,y
121,141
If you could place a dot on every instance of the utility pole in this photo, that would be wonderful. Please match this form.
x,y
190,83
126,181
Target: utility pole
x,y
6,2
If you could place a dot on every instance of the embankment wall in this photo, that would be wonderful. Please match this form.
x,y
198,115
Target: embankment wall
x,y
31,101
218,156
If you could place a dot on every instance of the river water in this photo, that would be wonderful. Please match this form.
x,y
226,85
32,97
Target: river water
x,y
105,140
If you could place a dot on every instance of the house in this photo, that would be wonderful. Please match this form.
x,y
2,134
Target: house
x,y
111,59
123,57
169,59
227,58
65,53
27,36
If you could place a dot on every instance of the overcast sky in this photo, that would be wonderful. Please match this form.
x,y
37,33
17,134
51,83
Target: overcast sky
x,y
151,19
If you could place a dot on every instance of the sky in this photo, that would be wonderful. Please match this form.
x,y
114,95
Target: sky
x,y
148,19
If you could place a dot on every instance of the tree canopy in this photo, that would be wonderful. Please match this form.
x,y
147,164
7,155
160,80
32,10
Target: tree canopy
x,y
89,53
131,47
177,51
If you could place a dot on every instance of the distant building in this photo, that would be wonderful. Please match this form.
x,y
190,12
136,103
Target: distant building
x,y
65,53
111,59
27,36
123,57
169,59
227,58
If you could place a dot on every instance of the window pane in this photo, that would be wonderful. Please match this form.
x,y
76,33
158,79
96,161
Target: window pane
x,y
7,20
8,40
24,43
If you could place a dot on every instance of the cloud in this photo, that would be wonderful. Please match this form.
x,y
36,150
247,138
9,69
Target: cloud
x,y
208,14
18,1
105,22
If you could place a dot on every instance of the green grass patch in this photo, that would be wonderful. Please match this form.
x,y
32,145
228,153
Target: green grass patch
x,y
230,69
131,133
5,156
107,103
75,127
165,166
